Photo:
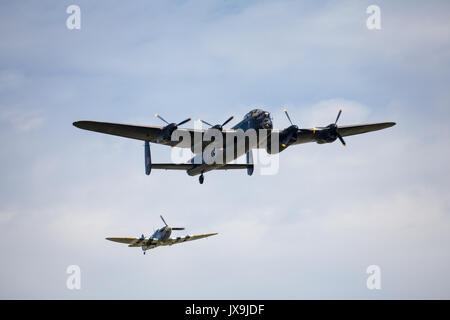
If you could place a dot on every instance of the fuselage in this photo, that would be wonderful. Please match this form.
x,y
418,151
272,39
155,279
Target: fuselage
x,y
256,119
162,234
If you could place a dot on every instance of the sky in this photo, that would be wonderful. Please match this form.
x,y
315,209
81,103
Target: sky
x,y
308,232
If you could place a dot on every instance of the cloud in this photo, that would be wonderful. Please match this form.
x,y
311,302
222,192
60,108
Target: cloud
x,y
10,79
5,217
21,120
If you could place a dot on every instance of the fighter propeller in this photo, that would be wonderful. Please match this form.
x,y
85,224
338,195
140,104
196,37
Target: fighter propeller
x,y
166,132
168,225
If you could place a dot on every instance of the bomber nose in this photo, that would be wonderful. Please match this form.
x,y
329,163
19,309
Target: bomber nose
x,y
267,124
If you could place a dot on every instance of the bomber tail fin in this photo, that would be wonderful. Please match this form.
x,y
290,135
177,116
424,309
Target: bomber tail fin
x,y
148,158
250,165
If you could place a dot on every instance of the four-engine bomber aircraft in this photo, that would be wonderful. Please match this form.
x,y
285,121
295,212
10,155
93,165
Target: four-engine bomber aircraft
x,y
274,141
160,237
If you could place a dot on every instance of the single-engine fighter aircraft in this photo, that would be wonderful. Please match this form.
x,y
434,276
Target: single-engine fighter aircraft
x,y
274,141
160,237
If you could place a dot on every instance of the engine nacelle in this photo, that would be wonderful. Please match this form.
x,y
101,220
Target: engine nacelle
x,y
285,138
166,133
325,136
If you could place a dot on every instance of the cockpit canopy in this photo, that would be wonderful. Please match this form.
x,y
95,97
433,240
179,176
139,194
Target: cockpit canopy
x,y
261,119
253,113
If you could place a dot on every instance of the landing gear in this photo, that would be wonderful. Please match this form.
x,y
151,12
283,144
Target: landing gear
x,y
201,179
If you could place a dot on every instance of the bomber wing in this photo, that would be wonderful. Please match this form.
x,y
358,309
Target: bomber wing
x,y
144,133
363,128
307,135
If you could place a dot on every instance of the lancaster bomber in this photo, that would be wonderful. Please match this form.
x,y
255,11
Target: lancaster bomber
x,y
207,151
160,237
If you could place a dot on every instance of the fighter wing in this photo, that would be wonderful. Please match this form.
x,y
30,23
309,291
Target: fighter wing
x,y
124,240
172,241
132,242
145,133
307,135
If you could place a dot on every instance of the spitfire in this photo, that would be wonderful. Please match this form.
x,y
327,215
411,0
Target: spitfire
x,y
216,147
160,237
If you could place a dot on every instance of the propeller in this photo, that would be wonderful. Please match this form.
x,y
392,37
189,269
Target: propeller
x,y
164,220
290,133
287,115
168,225
334,128
167,131
179,124
218,126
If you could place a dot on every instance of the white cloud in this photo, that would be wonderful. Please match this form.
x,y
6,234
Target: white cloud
x,y
5,217
22,120
10,79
